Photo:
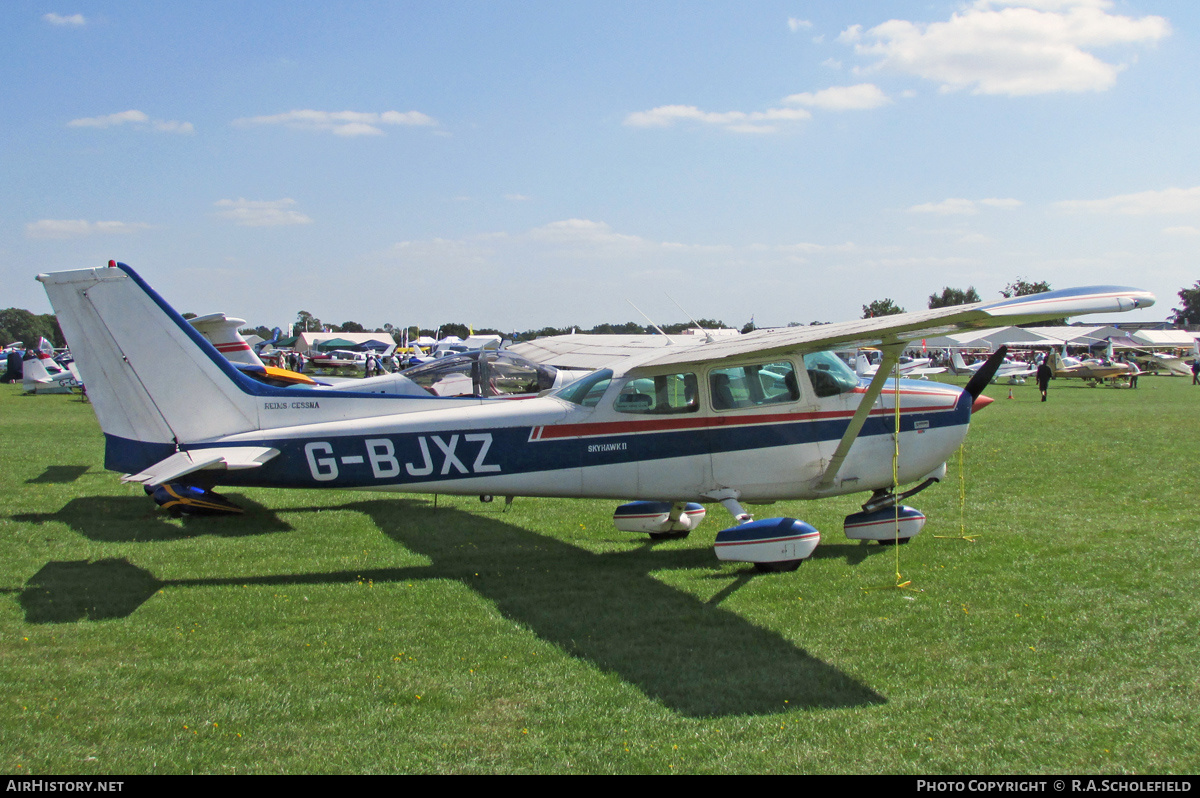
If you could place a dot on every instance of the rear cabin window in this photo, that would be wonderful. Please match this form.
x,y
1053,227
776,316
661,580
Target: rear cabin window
x,y
663,394
753,386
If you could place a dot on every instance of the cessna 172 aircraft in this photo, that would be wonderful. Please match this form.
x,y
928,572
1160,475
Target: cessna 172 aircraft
x,y
754,418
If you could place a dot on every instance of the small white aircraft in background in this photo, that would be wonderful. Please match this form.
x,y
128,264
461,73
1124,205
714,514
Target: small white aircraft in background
x,y
40,374
756,418
1179,366
486,372
909,366
1013,370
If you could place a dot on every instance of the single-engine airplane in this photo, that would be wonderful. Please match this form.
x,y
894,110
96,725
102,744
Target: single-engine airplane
x,y
1096,371
1013,370
909,366
41,374
746,419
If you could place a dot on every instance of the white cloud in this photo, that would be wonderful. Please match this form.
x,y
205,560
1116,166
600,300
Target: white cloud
x,y
835,98
1184,230
341,123
957,206
796,25
1144,203
135,119
261,213
79,228
842,98
735,121
75,20
948,207
1008,47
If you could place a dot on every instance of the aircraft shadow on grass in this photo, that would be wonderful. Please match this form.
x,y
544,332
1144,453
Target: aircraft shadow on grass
x,y
695,657
59,474
133,519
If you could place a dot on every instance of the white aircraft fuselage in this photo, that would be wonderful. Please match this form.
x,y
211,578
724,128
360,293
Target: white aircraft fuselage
x,y
754,418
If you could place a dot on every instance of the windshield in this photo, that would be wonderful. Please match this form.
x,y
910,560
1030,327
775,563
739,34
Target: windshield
x,y
587,391
829,374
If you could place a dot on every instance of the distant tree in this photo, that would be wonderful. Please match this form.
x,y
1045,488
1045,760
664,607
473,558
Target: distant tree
x,y
351,327
1022,287
17,324
1189,310
749,327
261,332
453,328
708,324
307,322
881,307
628,328
953,296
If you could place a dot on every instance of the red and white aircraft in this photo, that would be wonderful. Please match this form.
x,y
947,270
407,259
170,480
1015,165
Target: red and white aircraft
x,y
741,420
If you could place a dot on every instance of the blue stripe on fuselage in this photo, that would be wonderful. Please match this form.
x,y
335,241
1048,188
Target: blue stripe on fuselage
x,y
363,461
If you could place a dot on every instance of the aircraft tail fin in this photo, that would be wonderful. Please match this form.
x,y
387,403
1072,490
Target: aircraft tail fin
x,y
956,359
154,381
33,374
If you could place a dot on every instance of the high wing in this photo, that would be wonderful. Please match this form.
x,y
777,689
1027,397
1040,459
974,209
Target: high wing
x,y
905,327
584,351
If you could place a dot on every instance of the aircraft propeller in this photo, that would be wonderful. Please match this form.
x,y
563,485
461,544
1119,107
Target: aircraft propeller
x,y
982,377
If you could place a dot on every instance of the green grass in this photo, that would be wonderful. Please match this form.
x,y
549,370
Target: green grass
x,y
334,632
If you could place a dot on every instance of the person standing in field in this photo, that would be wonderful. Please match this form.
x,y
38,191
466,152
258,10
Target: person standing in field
x,y
1044,373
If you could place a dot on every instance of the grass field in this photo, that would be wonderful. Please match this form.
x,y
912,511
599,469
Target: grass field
x,y
343,632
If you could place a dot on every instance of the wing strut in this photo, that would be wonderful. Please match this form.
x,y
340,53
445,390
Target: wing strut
x,y
891,355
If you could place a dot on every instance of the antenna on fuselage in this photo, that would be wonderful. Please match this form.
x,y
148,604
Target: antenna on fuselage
x,y
708,339
647,318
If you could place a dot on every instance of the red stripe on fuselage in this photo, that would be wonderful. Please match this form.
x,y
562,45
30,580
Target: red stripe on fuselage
x,y
675,424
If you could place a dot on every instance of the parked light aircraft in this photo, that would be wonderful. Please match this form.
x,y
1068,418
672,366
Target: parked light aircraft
x,y
1012,370
40,374
1179,366
488,372
748,419
909,366
1095,370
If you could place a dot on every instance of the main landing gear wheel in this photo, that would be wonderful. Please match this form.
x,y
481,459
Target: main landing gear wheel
x,y
894,542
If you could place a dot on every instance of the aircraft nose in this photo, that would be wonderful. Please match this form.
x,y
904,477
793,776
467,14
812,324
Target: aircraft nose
x,y
981,402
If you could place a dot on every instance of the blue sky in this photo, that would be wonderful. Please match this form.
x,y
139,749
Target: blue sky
x,y
525,164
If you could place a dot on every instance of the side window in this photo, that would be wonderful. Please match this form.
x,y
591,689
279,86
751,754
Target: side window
x,y
829,374
664,394
453,376
505,376
753,386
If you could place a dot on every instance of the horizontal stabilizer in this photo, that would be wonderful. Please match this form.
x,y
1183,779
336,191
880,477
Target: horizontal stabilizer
x,y
182,463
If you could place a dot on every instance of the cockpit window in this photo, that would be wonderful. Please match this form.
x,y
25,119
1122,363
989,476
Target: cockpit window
x,y
829,374
587,391
753,386
663,394
485,373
